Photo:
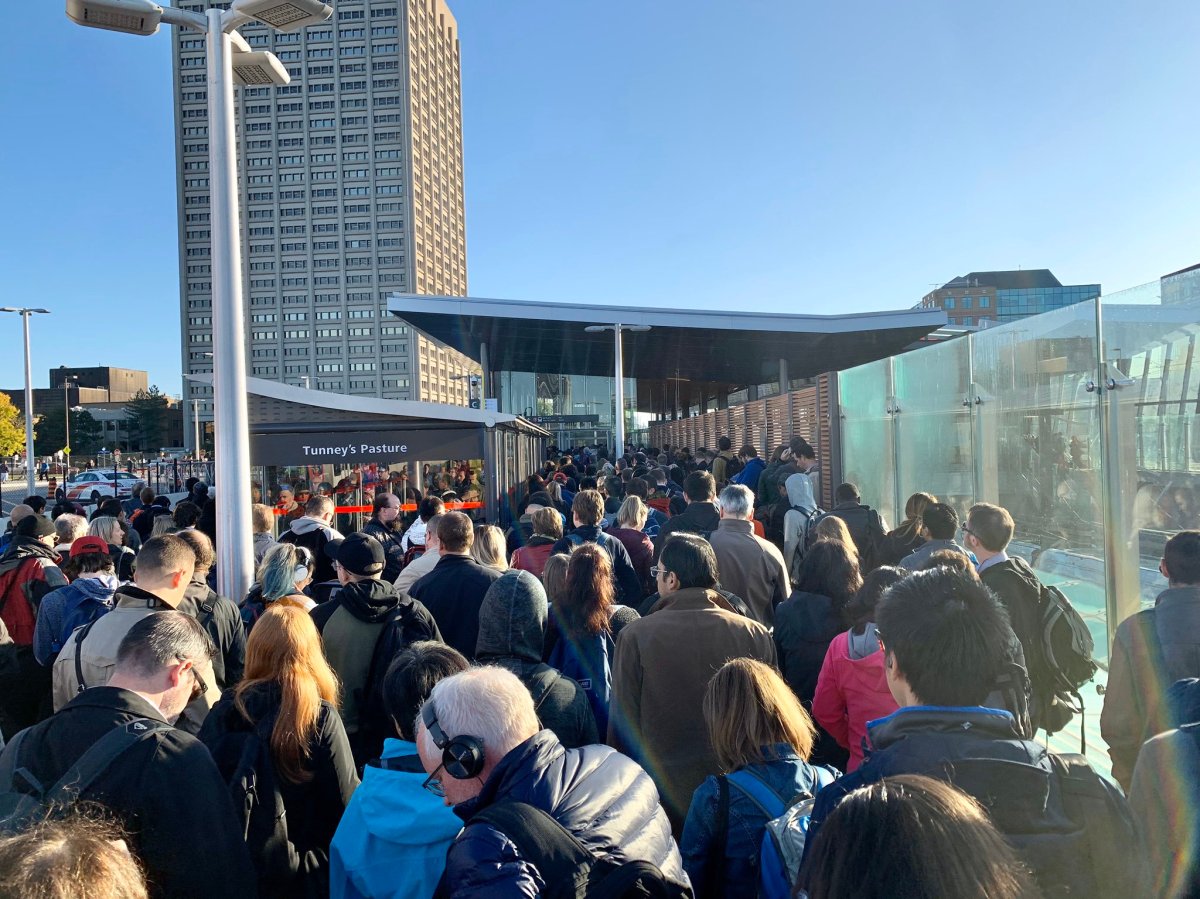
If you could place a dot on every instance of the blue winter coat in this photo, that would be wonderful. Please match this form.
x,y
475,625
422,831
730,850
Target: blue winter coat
x,y
393,837
702,846
748,476
601,796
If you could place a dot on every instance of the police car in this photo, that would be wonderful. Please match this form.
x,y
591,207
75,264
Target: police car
x,y
93,486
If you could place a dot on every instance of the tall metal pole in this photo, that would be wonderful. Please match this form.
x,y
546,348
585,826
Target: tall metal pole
x,y
29,474
196,428
231,443
67,416
619,391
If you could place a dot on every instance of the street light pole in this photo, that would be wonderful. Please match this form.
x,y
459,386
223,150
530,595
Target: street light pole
x,y
619,377
30,474
227,56
196,427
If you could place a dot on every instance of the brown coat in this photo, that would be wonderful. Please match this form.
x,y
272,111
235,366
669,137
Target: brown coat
x,y
751,568
660,672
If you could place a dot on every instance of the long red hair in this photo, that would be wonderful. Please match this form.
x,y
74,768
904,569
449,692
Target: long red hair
x,y
285,649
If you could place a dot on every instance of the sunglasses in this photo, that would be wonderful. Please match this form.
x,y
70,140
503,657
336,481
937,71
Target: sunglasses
x,y
199,687
433,783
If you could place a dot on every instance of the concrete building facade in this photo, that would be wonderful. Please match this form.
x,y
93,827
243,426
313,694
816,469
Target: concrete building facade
x,y
350,189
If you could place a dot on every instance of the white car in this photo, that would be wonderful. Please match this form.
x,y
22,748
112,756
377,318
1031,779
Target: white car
x,y
93,486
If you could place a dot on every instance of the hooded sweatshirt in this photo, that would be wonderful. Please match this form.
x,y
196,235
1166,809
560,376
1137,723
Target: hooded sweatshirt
x,y
795,524
512,627
852,689
313,534
53,610
391,825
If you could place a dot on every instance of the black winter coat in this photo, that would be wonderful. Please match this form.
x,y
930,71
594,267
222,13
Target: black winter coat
x,y
453,593
314,808
697,518
223,622
602,797
166,792
392,550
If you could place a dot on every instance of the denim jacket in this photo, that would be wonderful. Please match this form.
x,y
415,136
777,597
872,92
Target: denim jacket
x,y
788,775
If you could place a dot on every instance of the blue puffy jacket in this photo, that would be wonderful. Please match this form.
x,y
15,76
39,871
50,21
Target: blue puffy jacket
x,y
604,798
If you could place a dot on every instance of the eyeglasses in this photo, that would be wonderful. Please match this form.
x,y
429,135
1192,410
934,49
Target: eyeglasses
x,y
433,783
966,530
656,570
199,687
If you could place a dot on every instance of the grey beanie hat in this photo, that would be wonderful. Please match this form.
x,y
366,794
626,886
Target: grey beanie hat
x,y
512,619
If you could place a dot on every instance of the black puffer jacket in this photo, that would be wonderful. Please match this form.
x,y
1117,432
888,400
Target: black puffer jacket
x,y
601,796
393,552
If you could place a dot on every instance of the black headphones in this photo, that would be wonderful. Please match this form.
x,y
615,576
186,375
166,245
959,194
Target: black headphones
x,y
462,756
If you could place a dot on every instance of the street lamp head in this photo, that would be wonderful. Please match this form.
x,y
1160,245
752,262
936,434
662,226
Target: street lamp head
x,y
284,15
130,16
258,67
23,311
635,327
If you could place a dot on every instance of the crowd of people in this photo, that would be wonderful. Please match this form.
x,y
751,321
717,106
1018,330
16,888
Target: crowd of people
x,y
673,674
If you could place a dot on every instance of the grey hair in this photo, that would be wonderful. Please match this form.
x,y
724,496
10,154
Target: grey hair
x,y
737,500
106,527
488,703
162,639
70,527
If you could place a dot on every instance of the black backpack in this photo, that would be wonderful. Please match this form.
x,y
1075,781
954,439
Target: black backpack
x,y
569,870
21,807
401,628
1066,649
733,467
244,759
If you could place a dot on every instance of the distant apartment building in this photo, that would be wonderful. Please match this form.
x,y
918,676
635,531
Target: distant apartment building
x,y
982,299
1181,287
351,189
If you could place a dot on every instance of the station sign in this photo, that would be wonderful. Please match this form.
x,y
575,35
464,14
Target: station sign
x,y
387,446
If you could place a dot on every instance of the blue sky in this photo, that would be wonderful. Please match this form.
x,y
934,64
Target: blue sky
x,y
780,156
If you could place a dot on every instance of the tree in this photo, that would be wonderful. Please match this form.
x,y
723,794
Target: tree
x,y
147,417
12,427
85,436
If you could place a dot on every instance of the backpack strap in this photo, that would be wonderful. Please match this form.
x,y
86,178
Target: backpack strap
x,y
760,793
99,756
8,766
80,636
556,852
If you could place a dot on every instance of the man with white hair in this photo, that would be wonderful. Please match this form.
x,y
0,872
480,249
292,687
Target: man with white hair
x,y
750,567
479,739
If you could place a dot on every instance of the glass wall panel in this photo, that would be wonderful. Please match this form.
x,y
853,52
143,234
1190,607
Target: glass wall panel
x,y
866,397
933,427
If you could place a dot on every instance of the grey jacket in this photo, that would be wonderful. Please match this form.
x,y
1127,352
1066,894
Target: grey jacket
x,y
919,556
750,567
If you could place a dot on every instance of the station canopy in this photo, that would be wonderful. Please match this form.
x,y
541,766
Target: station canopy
x,y
733,349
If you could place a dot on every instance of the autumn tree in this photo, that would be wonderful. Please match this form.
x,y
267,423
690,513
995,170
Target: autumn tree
x,y
12,427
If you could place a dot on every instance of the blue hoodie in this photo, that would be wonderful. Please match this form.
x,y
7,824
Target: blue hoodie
x,y
52,611
393,836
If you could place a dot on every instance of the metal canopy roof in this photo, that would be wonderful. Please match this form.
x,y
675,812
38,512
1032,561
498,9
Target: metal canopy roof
x,y
734,348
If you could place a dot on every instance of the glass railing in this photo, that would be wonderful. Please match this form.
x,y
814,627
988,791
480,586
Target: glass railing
x,y
1083,422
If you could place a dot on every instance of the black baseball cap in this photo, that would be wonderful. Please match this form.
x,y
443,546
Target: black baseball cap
x,y
359,554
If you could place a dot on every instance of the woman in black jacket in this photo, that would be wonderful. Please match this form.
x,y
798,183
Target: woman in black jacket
x,y
906,537
808,620
289,695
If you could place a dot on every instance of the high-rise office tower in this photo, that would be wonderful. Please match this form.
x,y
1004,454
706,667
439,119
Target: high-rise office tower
x,y
351,189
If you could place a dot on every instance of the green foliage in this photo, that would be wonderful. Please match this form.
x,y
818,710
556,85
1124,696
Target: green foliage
x,y
51,436
147,415
12,427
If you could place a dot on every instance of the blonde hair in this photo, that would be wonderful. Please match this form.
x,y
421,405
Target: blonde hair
x,y
547,523
58,858
163,524
554,576
285,649
748,709
263,518
633,512
106,527
833,528
488,548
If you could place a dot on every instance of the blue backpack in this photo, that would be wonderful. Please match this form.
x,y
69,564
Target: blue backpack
x,y
783,839
81,609
589,663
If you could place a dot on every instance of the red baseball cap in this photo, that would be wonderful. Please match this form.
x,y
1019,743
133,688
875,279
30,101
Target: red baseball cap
x,y
82,545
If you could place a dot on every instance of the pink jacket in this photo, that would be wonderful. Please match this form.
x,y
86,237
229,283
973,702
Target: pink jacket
x,y
851,692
